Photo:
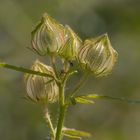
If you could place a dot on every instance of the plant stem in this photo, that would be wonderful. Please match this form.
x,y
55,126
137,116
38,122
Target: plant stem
x,y
80,83
50,125
60,122
53,62
62,105
24,70
62,110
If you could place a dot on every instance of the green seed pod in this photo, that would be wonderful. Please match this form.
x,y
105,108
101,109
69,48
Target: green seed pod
x,y
48,36
41,89
73,43
97,56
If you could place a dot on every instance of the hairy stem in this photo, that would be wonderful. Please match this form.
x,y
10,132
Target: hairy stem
x,y
62,106
50,125
62,110
60,122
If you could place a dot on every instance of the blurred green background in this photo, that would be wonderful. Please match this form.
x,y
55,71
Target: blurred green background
x,y
106,120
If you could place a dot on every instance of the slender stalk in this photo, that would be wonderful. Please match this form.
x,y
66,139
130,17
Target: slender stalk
x,y
62,106
50,125
60,122
24,70
118,98
80,83
62,110
53,62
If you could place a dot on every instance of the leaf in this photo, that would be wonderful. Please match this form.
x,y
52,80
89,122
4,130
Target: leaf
x,y
91,96
73,133
80,99
70,136
96,96
83,100
120,99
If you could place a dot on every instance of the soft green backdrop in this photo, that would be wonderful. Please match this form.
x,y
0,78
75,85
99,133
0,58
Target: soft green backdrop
x,y
106,120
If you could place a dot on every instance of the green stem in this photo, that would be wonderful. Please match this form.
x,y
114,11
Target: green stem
x,y
53,62
60,122
80,83
50,125
24,70
62,110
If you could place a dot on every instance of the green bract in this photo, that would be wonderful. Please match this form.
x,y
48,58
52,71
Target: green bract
x,y
97,56
72,45
41,89
48,36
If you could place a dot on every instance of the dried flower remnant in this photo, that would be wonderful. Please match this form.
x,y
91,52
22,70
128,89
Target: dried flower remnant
x,y
73,43
97,56
48,36
41,89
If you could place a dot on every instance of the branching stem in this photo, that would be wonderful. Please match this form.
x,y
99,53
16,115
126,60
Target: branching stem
x,y
62,110
80,83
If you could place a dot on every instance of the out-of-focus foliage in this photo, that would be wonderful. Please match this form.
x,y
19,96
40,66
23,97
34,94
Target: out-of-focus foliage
x,y
107,120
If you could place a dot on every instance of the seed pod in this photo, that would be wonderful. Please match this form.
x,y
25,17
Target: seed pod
x,y
41,89
97,56
73,43
48,36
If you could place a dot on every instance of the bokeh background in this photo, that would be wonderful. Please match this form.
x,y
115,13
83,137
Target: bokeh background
x,y
106,120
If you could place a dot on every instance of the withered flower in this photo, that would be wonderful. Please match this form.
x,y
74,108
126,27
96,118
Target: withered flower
x,y
41,89
48,36
97,56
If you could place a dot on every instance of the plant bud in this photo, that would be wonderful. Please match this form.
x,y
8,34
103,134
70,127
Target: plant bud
x,y
73,43
48,36
97,56
41,89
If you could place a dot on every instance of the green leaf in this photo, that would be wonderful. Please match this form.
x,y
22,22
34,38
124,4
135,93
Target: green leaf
x,y
83,100
73,133
80,99
70,136
120,99
96,96
91,96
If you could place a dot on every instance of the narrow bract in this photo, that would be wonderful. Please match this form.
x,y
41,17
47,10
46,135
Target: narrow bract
x,y
97,56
